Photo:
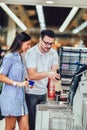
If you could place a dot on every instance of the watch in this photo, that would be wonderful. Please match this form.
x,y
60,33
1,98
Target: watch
x,y
14,83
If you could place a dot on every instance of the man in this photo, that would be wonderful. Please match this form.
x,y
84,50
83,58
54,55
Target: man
x,y
42,63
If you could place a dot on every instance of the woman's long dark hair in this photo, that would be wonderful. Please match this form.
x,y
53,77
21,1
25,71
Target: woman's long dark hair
x,y
18,41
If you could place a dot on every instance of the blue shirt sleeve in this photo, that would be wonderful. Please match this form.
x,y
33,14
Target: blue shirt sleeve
x,y
6,64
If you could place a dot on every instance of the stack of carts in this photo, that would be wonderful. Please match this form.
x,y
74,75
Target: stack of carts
x,y
52,116
79,128
60,119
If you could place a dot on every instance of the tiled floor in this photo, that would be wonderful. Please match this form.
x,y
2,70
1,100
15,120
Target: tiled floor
x,y
2,124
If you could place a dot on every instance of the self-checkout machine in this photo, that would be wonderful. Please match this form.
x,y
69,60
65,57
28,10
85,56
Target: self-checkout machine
x,y
80,100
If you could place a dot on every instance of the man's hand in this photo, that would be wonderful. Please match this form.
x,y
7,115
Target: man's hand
x,y
53,75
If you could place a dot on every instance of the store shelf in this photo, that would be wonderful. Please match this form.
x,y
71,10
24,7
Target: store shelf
x,y
71,59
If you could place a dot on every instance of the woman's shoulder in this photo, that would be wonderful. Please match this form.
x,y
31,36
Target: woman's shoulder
x,y
8,54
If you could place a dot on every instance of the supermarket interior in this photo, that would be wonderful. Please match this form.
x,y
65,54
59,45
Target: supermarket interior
x,y
66,105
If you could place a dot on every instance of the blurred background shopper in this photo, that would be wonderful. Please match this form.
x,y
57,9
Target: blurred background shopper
x,y
13,105
42,63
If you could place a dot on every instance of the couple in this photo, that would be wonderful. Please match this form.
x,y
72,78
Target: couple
x,y
42,63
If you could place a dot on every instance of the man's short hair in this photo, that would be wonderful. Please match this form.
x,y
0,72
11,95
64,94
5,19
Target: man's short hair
x,y
48,33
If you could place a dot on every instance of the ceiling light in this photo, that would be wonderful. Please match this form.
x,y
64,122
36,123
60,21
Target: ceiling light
x,y
13,16
40,14
68,19
79,28
49,2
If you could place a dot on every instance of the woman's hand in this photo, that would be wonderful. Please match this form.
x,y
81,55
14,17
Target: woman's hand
x,y
23,84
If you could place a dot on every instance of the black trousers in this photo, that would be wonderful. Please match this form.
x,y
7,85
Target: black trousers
x,y
32,100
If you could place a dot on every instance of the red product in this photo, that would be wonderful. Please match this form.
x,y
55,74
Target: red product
x,y
51,89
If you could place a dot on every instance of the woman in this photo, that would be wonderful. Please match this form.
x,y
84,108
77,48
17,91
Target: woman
x,y
12,74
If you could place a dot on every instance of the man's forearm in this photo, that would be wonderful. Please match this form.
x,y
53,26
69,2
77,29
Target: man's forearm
x,y
38,75
41,75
